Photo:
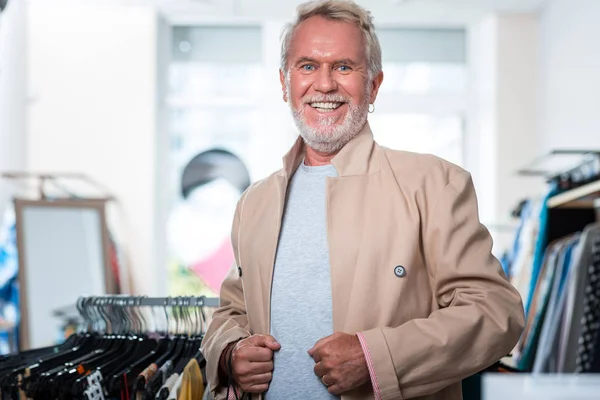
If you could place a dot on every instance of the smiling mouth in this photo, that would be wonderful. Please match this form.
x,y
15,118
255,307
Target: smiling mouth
x,y
326,106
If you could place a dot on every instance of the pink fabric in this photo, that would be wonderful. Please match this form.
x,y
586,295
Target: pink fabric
x,y
213,269
232,390
370,366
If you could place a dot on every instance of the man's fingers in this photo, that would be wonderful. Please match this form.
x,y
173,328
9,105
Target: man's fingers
x,y
273,345
259,354
261,378
256,388
254,354
261,367
320,343
314,349
335,389
265,341
319,369
255,379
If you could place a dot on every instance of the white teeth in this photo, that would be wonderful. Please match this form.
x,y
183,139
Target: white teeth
x,y
328,106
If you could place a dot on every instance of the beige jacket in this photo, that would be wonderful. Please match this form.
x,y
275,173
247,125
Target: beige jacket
x,y
450,315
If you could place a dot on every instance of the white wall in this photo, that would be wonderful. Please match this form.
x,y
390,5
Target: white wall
x,y
480,157
570,75
13,93
93,77
517,108
501,134
162,143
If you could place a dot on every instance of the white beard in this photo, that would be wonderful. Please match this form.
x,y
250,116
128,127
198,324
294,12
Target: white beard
x,y
330,136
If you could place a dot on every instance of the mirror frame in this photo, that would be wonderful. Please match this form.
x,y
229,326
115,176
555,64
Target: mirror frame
x,y
98,205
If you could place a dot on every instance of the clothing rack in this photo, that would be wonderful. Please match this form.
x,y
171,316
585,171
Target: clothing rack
x,y
575,176
580,197
558,163
572,210
122,349
51,210
94,309
552,262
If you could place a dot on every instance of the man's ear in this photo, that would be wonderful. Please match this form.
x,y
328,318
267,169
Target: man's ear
x,y
375,85
284,88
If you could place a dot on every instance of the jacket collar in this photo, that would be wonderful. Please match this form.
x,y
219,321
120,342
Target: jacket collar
x,y
357,157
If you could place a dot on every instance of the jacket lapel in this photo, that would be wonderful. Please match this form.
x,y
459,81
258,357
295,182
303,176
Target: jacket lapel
x,y
268,219
271,223
345,222
346,214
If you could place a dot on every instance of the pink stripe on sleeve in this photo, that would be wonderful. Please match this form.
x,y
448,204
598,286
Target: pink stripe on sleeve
x,y
370,366
232,392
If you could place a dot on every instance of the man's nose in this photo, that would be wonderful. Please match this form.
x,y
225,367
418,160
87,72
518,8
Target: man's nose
x,y
325,81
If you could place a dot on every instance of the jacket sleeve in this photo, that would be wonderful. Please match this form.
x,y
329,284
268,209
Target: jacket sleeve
x,y
229,322
480,317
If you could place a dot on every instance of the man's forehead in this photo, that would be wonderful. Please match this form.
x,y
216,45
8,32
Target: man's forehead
x,y
318,25
318,37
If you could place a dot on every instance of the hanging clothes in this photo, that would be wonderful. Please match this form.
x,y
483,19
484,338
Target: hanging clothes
x,y
520,261
590,323
9,289
174,394
165,390
522,242
192,386
527,345
540,246
560,286
574,307
109,365
546,359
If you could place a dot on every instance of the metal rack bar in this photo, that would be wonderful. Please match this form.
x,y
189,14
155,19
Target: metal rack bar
x,y
142,301
560,162
71,310
580,197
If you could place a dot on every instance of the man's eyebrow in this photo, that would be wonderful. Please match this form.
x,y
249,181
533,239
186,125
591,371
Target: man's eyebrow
x,y
303,60
345,61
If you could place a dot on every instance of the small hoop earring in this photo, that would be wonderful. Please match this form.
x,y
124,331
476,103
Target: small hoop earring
x,y
371,110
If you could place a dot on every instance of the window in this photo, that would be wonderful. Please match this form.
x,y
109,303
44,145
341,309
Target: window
x,y
420,106
214,106
421,133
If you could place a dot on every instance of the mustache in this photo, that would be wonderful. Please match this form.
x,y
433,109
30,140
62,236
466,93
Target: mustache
x,y
325,98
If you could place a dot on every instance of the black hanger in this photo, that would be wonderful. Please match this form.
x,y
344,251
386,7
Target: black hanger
x,y
49,380
158,357
118,347
114,375
156,382
117,344
192,344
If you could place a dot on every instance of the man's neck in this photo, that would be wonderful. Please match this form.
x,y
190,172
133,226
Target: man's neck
x,y
315,158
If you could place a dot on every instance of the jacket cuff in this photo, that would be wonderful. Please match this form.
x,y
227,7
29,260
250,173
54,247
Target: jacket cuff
x,y
219,390
381,366
372,373
234,393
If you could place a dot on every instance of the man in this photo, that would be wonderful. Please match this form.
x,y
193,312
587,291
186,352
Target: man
x,y
361,272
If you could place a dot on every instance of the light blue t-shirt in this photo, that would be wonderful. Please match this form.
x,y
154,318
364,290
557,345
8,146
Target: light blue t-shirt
x,y
301,308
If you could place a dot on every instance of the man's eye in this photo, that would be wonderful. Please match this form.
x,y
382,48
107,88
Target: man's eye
x,y
344,68
308,67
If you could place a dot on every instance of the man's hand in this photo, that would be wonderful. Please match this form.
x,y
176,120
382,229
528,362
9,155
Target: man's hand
x,y
340,362
252,363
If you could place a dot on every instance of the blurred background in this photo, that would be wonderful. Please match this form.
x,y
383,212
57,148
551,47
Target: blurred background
x,y
155,115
